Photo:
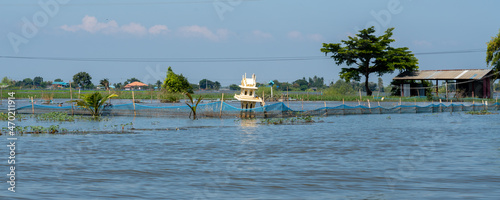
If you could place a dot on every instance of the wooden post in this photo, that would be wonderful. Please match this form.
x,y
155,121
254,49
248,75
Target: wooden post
x,y
221,103
326,110
302,103
360,98
32,106
369,106
343,101
79,93
71,97
133,100
446,85
440,107
437,89
263,100
287,97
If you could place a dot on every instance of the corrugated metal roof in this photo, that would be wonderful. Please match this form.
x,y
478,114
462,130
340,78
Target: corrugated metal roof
x,y
455,74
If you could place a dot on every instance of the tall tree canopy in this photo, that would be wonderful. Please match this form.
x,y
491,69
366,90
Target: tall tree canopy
x,y
105,83
82,79
370,54
493,53
208,84
176,83
37,81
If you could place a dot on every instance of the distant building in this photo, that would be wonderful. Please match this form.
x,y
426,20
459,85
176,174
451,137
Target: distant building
x,y
59,84
135,86
472,82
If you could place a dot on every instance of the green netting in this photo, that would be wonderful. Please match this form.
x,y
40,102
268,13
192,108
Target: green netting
x,y
222,109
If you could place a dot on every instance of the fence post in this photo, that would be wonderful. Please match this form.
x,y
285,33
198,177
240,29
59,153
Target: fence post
x,y
71,97
302,99
32,106
496,102
473,102
326,110
133,101
440,105
221,102
369,106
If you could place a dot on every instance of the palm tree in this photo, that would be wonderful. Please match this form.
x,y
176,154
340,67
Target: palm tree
x,y
193,105
105,83
94,102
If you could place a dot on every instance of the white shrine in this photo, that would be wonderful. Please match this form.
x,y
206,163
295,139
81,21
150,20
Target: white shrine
x,y
247,96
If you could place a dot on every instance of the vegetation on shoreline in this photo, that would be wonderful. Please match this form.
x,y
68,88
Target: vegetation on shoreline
x,y
289,121
482,112
175,97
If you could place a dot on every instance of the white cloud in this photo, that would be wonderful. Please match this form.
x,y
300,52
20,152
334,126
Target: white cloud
x,y
295,35
315,37
261,35
92,25
158,29
134,28
203,32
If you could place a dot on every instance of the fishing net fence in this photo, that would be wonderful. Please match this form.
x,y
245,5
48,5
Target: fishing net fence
x,y
223,109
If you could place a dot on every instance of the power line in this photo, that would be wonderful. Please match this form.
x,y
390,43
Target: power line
x,y
174,60
123,3
206,60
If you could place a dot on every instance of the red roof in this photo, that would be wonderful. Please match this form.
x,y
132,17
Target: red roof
x,y
136,84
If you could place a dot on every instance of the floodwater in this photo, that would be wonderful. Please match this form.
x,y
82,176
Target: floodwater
x,y
402,156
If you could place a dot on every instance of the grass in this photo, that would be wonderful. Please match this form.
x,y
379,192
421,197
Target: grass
x,y
159,95
52,129
53,117
482,112
288,121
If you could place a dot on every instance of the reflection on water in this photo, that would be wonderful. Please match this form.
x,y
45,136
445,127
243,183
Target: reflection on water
x,y
407,156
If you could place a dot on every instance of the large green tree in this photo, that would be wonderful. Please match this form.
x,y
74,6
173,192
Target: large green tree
x,y
493,53
37,81
82,79
208,84
366,53
176,82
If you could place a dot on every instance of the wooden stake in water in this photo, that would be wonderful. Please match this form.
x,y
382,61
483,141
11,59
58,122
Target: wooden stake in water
x,y
32,106
287,97
360,98
343,101
71,97
302,103
221,103
133,101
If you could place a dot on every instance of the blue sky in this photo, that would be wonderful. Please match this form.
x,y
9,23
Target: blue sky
x,y
231,29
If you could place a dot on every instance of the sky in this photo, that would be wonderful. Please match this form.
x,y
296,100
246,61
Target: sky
x,y
223,39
